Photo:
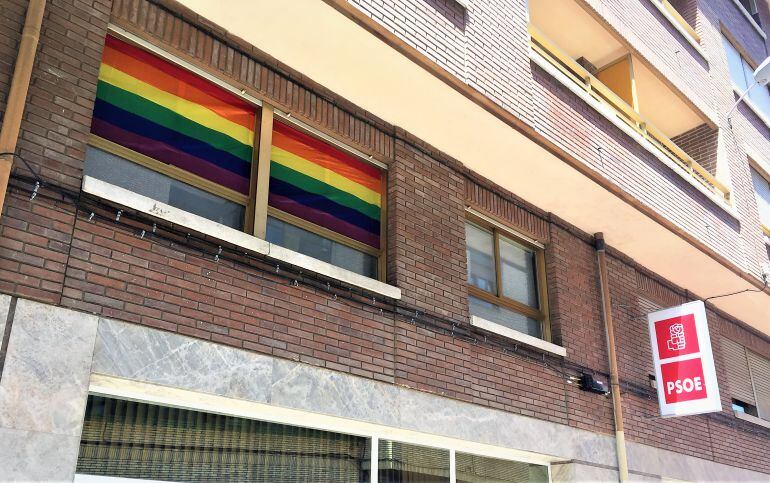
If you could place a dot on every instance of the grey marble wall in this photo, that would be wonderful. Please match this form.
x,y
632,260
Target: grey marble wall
x,y
43,391
5,302
139,353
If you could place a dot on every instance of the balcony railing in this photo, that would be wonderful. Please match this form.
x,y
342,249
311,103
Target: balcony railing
x,y
596,89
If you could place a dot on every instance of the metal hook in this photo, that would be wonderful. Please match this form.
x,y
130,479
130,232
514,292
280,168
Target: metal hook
x,y
277,268
296,283
117,215
142,234
91,216
216,257
34,191
154,227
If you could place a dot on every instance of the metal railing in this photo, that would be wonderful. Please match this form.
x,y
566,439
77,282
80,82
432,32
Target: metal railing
x,y
596,89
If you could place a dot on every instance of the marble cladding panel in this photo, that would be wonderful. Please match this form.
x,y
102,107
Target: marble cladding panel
x,y
47,368
5,303
35,456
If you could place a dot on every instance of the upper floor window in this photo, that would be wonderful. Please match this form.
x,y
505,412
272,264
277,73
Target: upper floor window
x,y
748,378
761,182
166,133
506,280
742,75
751,8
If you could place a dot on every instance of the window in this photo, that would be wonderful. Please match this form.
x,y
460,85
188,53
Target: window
x,y
748,378
742,75
762,191
743,407
169,134
506,281
139,441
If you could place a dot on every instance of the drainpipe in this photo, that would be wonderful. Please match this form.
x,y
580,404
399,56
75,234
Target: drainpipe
x,y
609,327
17,95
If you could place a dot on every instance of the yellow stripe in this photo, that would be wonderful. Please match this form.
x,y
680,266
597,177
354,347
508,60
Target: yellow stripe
x,y
302,165
190,110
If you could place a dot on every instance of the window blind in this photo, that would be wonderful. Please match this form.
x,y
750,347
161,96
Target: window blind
x,y
738,375
760,374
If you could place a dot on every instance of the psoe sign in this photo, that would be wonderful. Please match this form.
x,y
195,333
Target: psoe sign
x,y
684,364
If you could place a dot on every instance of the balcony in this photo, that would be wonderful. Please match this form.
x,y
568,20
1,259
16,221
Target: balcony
x,y
569,37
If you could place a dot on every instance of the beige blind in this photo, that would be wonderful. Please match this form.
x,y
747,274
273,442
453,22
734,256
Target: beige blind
x,y
738,375
760,374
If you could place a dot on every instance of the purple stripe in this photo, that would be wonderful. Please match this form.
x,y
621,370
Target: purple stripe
x,y
168,154
323,219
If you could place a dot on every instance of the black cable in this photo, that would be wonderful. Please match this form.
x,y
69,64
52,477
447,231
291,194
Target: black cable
x,y
36,175
764,287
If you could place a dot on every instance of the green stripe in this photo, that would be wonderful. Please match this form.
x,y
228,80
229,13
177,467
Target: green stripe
x,y
140,106
312,185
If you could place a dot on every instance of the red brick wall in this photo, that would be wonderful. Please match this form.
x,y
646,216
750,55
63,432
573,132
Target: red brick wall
x,y
52,253
701,144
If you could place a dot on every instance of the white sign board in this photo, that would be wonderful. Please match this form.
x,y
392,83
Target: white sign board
x,y
684,364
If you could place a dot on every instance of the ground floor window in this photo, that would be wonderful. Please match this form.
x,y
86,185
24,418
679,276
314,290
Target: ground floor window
x,y
139,441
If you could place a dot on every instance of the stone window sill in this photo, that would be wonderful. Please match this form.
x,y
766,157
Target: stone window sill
x,y
218,231
521,337
751,419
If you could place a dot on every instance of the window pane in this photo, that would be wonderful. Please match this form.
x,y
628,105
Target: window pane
x,y
154,107
760,96
507,318
316,246
517,265
735,63
480,248
136,440
131,176
409,463
319,183
762,189
480,469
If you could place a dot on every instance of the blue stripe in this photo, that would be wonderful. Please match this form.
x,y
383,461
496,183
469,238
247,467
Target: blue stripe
x,y
324,204
146,128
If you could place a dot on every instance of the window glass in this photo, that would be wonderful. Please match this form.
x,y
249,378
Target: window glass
x,y
480,249
507,318
735,64
131,176
762,190
318,183
517,266
316,246
409,463
162,111
480,469
136,440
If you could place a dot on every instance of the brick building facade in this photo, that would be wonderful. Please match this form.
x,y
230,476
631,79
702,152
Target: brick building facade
x,y
115,296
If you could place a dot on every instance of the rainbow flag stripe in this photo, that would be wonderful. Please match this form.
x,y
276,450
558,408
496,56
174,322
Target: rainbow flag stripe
x,y
163,111
323,185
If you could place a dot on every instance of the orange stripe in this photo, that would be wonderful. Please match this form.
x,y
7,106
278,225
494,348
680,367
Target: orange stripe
x,y
157,78
326,161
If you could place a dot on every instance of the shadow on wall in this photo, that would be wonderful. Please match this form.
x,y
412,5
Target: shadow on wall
x,y
451,10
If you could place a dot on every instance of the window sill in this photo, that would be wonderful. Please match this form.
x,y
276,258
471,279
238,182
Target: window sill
x,y
688,36
751,419
752,106
521,337
751,20
611,116
216,230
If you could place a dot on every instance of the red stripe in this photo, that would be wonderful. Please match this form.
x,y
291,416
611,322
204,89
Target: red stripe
x,y
178,72
321,218
351,161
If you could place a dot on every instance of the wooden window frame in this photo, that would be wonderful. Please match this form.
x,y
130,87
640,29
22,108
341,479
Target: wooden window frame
x,y
541,314
255,203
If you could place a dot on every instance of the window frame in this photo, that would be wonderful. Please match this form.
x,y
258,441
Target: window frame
x,y
746,60
763,172
542,313
256,208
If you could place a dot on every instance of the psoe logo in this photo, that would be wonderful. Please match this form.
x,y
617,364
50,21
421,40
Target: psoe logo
x,y
676,339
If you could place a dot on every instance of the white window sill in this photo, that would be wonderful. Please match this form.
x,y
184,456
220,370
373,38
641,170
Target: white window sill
x,y
521,337
751,419
756,110
216,230
750,19
689,38
611,116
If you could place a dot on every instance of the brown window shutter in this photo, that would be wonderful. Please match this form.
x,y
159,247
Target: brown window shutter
x,y
760,374
738,375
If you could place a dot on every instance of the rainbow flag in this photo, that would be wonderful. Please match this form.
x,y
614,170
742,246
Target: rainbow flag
x,y
163,111
323,185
